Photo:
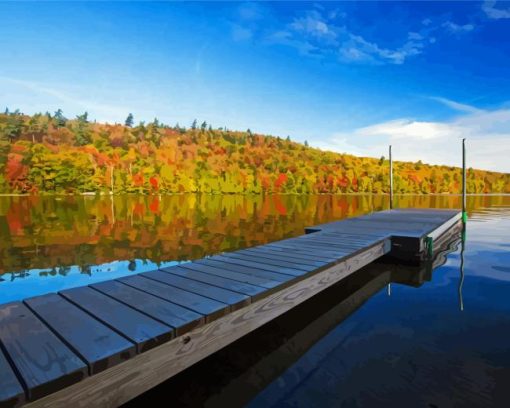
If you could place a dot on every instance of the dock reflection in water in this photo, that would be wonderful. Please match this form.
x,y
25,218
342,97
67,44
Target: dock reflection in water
x,y
245,372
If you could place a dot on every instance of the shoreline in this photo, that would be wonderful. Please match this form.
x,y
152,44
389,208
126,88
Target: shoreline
x,y
248,194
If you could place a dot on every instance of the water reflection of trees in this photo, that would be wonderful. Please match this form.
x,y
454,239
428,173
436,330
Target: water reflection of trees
x,y
53,233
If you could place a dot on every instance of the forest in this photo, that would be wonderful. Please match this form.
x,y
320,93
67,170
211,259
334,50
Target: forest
x,y
51,154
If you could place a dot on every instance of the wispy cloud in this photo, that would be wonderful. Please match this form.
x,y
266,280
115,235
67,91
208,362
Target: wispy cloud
x,y
489,7
323,33
43,95
319,33
456,105
458,28
435,142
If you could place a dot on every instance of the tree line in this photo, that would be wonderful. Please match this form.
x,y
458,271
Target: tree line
x,y
49,153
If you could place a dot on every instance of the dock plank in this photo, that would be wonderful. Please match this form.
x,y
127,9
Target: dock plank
x,y
228,265
240,260
217,270
94,342
234,299
281,257
302,248
229,284
43,361
171,314
138,328
270,261
211,309
313,259
11,391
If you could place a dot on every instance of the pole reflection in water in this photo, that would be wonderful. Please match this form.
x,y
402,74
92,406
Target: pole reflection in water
x,y
461,280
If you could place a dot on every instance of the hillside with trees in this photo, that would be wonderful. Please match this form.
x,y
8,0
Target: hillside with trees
x,y
51,154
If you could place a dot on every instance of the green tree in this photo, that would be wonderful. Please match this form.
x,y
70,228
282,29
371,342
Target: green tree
x,y
59,119
130,120
82,130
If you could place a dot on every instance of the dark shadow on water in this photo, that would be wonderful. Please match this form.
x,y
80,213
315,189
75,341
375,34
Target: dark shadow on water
x,y
236,374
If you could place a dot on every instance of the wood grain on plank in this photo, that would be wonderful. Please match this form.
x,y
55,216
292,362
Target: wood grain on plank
x,y
227,265
239,260
234,299
210,308
11,390
178,317
301,250
235,286
43,361
217,270
271,261
133,325
90,339
282,257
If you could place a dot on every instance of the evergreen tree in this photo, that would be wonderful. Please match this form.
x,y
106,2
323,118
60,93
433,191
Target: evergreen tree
x,y
82,130
59,118
130,120
194,125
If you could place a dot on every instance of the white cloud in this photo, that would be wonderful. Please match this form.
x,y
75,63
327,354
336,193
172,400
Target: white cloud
x,y
487,134
316,34
457,28
414,36
489,7
315,25
456,105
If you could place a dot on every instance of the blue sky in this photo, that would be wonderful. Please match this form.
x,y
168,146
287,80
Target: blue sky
x,y
350,77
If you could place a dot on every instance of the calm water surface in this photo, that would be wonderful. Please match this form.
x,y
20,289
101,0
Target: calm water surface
x,y
436,338
53,243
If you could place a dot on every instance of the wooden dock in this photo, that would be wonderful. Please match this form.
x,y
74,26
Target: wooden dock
x,y
104,344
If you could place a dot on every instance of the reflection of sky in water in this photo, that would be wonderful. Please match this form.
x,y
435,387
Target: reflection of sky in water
x,y
41,281
416,347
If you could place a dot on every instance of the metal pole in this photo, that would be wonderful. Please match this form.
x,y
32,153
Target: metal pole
x,y
391,181
464,189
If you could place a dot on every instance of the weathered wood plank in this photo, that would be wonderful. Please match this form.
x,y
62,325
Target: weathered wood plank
x,y
133,325
178,317
122,383
331,243
293,255
11,390
300,249
44,363
234,299
225,273
348,246
239,260
98,345
211,309
258,252
235,286
235,267
270,261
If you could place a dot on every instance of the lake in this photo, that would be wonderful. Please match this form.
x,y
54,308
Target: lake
x,y
386,336
51,243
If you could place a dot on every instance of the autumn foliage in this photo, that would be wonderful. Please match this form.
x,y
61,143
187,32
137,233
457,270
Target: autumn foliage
x,y
47,153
